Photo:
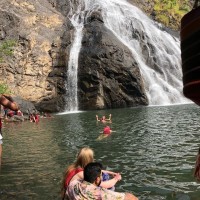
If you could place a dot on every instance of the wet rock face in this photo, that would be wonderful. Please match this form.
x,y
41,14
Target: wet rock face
x,y
108,74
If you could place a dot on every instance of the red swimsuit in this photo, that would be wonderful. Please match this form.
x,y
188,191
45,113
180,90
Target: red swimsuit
x,y
71,175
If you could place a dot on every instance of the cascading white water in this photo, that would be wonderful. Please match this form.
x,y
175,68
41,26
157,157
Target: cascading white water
x,y
148,44
77,20
132,27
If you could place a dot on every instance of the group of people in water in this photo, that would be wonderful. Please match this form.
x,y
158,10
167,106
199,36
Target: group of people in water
x,y
34,116
86,179
11,112
107,130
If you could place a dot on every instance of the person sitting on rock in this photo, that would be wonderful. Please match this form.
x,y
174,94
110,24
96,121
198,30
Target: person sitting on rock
x,y
90,187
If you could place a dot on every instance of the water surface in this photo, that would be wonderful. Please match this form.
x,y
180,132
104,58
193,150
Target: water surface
x,y
154,148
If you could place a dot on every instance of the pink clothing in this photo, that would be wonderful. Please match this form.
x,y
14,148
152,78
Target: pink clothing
x,y
82,190
11,113
106,130
37,119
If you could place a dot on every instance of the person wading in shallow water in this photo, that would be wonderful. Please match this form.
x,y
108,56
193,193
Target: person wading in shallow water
x,y
8,102
104,119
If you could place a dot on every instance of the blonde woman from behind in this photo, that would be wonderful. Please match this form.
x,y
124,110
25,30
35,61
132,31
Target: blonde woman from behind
x,y
75,171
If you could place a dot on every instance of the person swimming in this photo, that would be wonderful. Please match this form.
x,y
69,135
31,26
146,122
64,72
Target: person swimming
x,y
107,130
104,119
105,133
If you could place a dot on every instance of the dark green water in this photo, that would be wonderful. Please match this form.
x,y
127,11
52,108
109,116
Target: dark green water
x,y
154,148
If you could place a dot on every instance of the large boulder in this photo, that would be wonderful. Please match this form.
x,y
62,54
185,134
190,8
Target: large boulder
x,y
25,106
109,76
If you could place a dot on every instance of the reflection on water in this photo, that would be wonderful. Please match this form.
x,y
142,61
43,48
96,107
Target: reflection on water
x,y
153,147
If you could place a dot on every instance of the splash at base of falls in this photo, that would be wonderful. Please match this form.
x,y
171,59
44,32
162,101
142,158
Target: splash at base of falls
x,y
69,112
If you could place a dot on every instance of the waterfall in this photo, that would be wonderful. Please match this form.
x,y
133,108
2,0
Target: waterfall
x,y
77,21
156,52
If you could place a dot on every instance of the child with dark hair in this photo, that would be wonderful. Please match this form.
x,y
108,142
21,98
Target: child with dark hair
x,y
197,166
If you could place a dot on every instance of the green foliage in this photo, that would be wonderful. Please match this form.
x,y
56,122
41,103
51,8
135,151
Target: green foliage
x,y
6,48
185,8
174,10
163,19
4,89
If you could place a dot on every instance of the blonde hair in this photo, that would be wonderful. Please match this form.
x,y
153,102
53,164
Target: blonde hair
x,y
84,157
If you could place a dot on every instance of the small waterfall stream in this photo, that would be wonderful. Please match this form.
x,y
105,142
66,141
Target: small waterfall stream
x,y
156,52
77,21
